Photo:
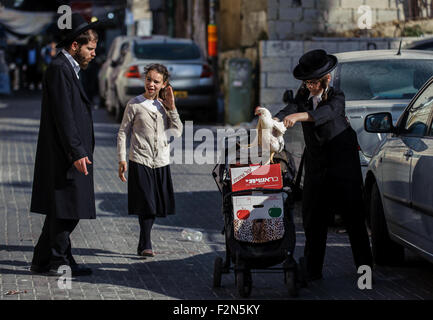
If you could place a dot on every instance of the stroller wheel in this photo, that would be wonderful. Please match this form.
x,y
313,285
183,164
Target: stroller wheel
x,y
291,282
244,283
218,264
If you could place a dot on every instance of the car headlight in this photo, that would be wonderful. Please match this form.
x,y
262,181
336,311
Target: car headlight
x,y
363,158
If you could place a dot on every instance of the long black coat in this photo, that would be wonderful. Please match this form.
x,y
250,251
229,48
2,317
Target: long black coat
x,y
65,135
331,154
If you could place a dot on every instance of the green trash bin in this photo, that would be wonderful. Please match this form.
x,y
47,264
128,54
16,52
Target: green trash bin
x,y
238,108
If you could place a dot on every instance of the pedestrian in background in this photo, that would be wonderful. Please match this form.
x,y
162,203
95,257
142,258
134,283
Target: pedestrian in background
x,y
63,176
48,52
16,64
33,74
5,86
333,177
147,118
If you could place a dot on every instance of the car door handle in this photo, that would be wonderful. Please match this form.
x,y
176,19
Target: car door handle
x,y
408,153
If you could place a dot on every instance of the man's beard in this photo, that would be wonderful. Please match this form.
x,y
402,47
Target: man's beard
x,y
81,59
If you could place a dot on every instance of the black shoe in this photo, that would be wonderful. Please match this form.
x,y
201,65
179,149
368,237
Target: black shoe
x,y
147,253
34,268
76,270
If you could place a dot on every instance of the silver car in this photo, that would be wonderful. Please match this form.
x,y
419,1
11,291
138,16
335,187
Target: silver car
x,y
399,181
106,70
191,75
373,81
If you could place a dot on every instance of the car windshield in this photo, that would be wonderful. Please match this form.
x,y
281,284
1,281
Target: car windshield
x,y
384,79
166,51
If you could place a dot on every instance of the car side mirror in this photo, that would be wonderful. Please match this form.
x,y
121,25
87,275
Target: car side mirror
x,y
380,122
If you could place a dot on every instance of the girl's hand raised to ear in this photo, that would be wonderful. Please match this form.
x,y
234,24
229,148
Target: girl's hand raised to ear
x,y
168,98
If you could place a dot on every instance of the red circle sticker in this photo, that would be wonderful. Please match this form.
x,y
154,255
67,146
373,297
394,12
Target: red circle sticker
x,y
243,214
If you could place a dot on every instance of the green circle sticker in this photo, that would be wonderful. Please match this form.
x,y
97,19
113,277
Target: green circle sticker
x,y
275,212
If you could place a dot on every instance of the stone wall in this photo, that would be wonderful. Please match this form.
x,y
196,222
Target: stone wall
x,y
301,19
142,18
241,23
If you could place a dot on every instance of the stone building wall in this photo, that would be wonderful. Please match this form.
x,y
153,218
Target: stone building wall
x,y
302,19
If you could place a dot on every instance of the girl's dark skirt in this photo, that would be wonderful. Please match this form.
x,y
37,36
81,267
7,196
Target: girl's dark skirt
x,y
150,191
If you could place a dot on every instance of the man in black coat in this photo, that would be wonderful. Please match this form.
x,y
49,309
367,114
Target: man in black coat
x,y
63,176
333,178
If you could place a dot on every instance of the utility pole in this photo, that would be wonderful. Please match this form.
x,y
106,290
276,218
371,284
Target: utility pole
x,y
170,17
212,34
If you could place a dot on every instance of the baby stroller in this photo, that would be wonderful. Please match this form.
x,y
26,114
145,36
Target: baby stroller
x,y
244,246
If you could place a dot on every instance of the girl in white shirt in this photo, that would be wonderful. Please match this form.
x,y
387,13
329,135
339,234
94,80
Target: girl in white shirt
x,y
147,117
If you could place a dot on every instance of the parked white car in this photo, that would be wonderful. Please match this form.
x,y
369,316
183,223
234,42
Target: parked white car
x,y
399,181
106,70
373,81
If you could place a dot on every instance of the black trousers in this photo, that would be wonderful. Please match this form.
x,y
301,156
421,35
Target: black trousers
x,y
54,245
348,202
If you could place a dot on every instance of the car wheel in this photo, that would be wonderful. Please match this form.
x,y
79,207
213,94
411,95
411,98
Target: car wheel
x,y
119,112
385,251
101,102
111,109
216,115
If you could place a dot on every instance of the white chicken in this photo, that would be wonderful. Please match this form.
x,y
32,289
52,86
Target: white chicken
x,y
269,133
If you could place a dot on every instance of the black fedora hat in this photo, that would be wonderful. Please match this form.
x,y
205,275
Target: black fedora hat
x,y
78,26
314,65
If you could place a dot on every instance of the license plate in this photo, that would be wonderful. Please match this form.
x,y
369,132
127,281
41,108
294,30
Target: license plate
x,y
180,94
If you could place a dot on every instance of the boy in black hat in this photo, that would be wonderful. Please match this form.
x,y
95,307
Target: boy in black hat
x,y
333,177
63,176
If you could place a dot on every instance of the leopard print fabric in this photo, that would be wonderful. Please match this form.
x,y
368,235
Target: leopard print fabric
x,y
259,230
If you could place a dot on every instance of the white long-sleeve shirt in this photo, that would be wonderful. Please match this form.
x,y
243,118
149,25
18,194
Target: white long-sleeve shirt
x,y
147,121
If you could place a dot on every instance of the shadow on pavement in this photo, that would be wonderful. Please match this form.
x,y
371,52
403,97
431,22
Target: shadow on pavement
x,y
200,209
168,276
18,184
184,278
18,248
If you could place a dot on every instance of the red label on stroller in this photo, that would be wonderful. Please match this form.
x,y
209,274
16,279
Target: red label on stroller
x,y
252,177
